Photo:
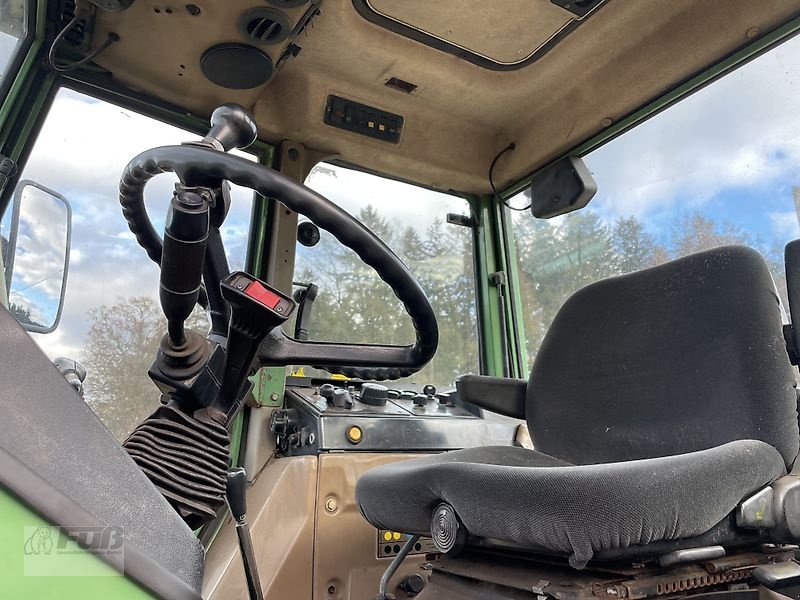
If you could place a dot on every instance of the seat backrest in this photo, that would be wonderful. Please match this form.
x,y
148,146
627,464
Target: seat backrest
x,y
676,358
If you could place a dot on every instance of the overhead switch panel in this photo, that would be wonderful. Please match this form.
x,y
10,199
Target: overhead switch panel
x,y
363,119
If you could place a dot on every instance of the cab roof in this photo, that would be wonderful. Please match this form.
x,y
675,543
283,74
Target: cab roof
x,y
484,74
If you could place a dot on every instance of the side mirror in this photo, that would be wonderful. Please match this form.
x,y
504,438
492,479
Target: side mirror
x,y
564,186
36,256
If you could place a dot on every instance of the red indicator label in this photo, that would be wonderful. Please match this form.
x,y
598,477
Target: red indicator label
x,y
258,292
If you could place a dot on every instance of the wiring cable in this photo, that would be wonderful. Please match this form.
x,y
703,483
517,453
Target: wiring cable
x,y
502,200
51,56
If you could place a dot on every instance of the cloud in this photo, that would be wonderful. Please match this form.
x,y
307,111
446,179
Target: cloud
x,y
740,131
784,224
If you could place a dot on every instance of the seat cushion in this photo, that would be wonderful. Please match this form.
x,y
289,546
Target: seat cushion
x,y
534,500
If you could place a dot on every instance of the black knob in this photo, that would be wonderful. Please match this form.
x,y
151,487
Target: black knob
x,y
429,390
412,584
393,394
308,234
235,490
420,399
232,126
342,398
374,394
326,391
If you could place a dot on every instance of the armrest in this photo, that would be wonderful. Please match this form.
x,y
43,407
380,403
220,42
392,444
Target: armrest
x,y
497,394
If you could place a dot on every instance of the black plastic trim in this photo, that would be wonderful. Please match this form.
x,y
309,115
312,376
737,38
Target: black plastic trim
x,y
496,394
365,10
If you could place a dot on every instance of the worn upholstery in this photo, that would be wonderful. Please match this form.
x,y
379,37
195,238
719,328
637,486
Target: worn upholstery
x,y
658,401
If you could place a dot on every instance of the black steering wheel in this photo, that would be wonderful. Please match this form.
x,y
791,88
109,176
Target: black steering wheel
x,y
365,361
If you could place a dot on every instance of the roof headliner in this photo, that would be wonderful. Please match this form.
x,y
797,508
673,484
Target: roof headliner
x,y
626,55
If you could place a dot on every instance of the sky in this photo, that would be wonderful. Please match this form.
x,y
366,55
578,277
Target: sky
x,y
731,151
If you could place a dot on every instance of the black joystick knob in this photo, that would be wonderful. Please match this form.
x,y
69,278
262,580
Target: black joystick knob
x,y
232,126
374,394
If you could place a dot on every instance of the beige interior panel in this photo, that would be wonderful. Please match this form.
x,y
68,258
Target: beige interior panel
x,y
281,515
505,36
345,560
461,115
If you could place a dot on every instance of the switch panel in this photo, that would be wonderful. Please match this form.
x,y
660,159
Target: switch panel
x,y
363,119
390,543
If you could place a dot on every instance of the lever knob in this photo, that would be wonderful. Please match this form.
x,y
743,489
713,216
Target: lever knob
x,y
232,126
235,490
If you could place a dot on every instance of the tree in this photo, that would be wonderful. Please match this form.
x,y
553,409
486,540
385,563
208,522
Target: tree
x,y
23,315
122,343
355,305
696,232
635,248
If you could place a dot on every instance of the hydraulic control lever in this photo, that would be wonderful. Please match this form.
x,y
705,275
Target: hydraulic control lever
x,y
256,309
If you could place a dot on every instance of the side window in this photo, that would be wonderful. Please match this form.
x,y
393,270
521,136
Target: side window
x,y
721,167
111,321
354,305
13,32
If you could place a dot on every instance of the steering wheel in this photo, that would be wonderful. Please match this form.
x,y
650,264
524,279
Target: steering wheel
x,y
212,162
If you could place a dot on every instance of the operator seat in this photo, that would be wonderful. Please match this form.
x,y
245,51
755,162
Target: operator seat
x,y
657,403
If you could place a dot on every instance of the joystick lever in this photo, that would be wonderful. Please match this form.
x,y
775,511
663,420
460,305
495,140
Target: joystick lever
x,y
194,208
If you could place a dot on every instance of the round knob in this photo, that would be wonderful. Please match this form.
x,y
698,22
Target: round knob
x,y
232,126
429,390
374,394
412,584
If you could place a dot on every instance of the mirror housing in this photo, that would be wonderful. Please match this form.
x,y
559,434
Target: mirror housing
x,y
564,186
36,256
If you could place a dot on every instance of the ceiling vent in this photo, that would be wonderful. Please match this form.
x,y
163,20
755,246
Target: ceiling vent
x,y
265,25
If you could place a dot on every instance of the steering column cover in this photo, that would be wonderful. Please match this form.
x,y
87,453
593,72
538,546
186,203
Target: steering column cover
x,y
279,349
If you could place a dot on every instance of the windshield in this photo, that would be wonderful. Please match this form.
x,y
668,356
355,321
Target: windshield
x,y
354,305
721,167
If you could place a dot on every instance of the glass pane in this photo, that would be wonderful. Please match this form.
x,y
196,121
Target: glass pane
x,y
355,305
720,167
112,320
40,253
12,31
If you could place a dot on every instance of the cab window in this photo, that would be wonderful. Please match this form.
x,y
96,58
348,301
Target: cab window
x,y
355,305
720,167
14,18
111,321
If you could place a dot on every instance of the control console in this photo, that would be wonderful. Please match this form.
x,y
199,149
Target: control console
x,y
323,415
